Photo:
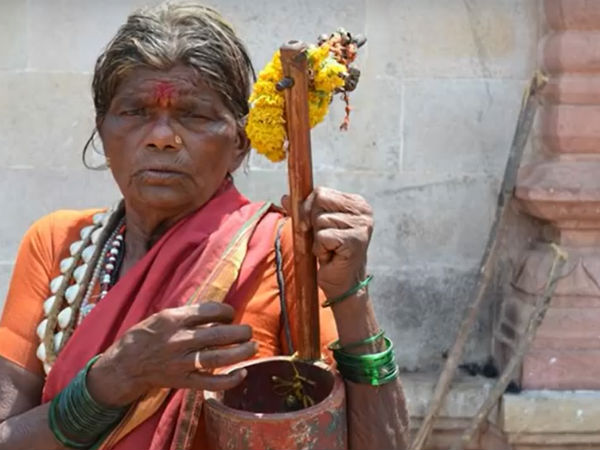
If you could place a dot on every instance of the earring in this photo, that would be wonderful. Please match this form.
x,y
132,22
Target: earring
x,y
107,161
178,140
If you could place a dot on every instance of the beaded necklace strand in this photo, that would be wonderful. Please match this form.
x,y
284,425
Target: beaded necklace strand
x,y
94,260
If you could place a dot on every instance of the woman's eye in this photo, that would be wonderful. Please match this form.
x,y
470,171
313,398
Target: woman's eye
x,y
135,112
193,114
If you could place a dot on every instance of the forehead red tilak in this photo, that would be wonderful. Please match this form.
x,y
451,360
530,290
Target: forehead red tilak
x,y
164,93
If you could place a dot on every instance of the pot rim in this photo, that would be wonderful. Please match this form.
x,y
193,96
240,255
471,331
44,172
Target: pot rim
x,y
213,402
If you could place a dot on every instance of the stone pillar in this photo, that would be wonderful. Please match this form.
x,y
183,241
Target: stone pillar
x,y
562,188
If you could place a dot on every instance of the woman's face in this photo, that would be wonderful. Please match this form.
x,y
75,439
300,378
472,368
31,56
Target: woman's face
x,y
170,139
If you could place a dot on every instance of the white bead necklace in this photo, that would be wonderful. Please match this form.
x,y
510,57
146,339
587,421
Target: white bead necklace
x,y
106,269
71,291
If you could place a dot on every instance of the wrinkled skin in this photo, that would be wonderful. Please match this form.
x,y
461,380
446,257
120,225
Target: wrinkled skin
x,y
170,141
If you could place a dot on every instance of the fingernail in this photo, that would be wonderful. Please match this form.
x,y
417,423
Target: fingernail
x,y
243,373
255,344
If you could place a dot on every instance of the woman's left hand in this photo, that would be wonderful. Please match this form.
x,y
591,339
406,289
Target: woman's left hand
x,y
342,225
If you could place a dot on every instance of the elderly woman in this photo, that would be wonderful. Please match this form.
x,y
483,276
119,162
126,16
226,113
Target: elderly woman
x,y
110,308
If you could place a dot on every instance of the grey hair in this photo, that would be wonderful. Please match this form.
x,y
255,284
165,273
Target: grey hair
x,y
181,32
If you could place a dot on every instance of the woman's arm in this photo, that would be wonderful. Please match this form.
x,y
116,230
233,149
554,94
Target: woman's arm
x,y
23,422
377,415
161,351
342,225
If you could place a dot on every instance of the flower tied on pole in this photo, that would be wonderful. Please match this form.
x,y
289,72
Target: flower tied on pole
x,y
330,73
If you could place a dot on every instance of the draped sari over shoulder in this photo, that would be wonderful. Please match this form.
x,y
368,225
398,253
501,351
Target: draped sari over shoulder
x,y
209,255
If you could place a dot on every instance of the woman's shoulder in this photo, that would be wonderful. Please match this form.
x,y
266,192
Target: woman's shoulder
x,y
50,234
63,220
65,217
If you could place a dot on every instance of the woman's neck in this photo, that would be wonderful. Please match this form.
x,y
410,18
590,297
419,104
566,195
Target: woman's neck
x,y
143,230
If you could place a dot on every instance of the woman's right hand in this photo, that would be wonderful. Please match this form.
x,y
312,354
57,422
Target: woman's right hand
x,y
160,352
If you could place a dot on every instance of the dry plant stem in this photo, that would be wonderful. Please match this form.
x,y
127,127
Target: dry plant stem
x,y
541,306
294,65
524,124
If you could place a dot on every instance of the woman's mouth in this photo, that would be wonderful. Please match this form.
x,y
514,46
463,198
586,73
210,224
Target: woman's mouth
x,y
159,176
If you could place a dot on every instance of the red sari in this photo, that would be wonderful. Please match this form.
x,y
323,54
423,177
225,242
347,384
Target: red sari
x,y
198,259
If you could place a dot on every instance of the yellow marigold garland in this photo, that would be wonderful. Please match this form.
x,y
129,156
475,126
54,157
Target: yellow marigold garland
x,y
266,125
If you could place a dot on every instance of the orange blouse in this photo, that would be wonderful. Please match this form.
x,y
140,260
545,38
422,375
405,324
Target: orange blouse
x,y
47,242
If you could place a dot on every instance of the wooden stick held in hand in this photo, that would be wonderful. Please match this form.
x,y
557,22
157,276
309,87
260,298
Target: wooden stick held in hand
x,y
295,88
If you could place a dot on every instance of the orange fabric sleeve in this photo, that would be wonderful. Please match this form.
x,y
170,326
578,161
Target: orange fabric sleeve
x,y
37,262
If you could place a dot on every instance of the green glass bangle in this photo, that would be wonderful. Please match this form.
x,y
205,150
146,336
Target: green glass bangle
x,y
58,434
105,412
364,363
379,371
73,412
348,293
336,345
353,358
373,376
373,381
367,368
374,369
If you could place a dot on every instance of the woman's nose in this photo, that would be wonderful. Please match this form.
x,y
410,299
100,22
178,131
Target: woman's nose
x,y
162,136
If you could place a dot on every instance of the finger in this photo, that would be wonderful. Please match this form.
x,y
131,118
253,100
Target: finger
x,y
325,244
331,200
214,336
306,210
345,243
327,200
303,211
212,359
221,382
206,312
324,258
340,220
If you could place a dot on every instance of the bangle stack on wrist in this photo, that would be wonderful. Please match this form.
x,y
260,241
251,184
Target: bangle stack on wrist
x,y
74,414
375,369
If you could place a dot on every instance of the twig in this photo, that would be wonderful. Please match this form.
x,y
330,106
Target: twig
x,y
541,306
524,124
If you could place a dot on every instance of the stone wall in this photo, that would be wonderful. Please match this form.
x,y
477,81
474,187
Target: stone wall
x,y
431,126
562,188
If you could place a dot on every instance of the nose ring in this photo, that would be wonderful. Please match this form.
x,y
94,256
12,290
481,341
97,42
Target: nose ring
x,y
178,140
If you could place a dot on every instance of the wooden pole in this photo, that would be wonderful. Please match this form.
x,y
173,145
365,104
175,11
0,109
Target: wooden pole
x,y
524,124
295,88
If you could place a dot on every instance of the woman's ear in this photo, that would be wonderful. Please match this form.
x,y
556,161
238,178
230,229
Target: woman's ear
x,y
241,148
